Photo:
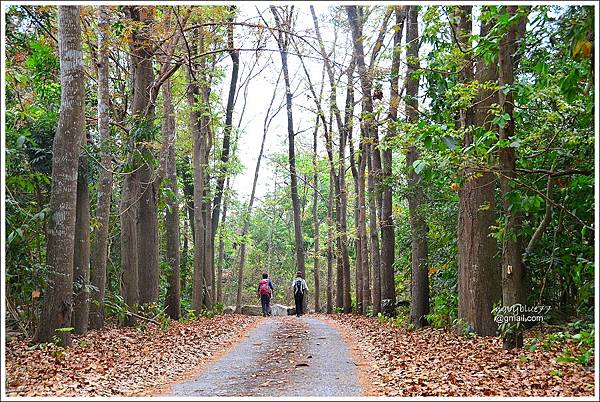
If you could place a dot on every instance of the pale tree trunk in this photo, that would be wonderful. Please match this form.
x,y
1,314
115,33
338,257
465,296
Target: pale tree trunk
x,y
172,301
57,303
282,43
419,303
386,219
513,269
100,244
81,257
479,271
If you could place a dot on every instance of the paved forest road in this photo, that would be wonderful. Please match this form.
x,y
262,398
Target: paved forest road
x,y
283,356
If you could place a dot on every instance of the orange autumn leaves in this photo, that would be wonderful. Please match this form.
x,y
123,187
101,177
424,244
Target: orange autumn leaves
x,y
436,362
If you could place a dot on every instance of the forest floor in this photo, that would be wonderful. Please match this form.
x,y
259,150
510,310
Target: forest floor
x,y
316,355
121,361
437,362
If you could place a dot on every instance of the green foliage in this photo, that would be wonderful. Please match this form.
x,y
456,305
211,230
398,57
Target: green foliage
x,y
215,310
116,306
443,310
580,332
188,317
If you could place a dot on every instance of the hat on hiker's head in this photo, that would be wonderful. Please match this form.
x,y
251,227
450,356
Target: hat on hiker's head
x,y
299,274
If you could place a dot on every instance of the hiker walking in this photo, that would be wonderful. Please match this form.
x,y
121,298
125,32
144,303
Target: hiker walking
x,y
300,288
265,291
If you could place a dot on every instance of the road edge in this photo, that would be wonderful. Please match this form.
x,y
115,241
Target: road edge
x,y
229,345
365,377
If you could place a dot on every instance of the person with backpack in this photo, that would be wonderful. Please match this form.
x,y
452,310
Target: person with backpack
x,y
300,288
265,291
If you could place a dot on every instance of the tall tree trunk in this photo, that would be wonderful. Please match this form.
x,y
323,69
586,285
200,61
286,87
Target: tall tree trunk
x,y
362,269
173,297
370,135
317,240
342,296
374,186
143,113
235,59
57,303
478,272
374,298
100,244
342,213
513,269
81,257
195,97
419,303
282,43
330,246
387,223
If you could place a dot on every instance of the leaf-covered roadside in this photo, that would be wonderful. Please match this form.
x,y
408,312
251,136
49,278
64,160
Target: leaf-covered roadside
x,y
119,361
437,362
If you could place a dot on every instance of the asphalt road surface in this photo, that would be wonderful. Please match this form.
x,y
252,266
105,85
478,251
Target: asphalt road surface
x,y
283,356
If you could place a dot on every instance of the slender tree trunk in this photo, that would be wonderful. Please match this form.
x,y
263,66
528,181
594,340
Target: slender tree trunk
x,y
364,295
81,258
342,295
100,244
282,40
346,136
172,300
315,211
330,246
375,199
57,302
478,270
513,269
234,54
374,298
419,304
209,250
199,143
221,256
387,222
370,130
188,192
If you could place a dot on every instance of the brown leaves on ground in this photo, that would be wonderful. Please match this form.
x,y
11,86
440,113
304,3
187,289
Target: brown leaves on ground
x,y
435,362
119,361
